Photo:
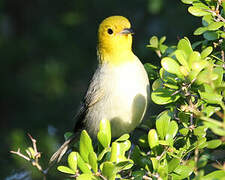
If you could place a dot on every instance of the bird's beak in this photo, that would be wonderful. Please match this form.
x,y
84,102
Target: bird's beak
x,y
127,31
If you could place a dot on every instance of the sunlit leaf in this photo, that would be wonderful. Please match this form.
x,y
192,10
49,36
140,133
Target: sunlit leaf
x,y
85,145
104,134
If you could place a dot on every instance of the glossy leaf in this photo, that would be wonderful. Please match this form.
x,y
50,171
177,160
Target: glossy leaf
x,y
118,151
164,96
215,25
210,110
72,161
200,30
194,57
219,174
151,71
181,172
153,138
85,145
172,165
124,137
162,123
185,45
200,131
197,11
187,1
65,169
181,57
172,131
108,170
207,51
104,134
87,177
184,131
157,84
82,165
211,98
102,154
211,36
92,157
154,42
213,143
171,66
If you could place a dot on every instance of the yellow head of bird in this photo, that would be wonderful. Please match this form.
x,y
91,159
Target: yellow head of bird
x,y
115,40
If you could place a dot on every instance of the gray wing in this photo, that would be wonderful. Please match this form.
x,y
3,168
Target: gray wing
x,y
93,95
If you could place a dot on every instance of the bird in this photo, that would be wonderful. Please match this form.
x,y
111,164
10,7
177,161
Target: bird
x,y
119,89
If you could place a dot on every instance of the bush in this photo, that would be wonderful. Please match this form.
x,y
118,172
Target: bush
x,y
190,132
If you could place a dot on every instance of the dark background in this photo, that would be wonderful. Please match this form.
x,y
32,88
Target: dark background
x,y
48,54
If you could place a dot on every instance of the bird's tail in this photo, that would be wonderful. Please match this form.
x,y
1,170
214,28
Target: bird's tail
x,y
62,150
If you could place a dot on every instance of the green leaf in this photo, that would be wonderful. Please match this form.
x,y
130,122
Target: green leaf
x,y
162,40
65,169
181,57
184,131
151,71
211,36
194,57
198,11
92,157
85,145
164,96
87,177
162,123
206,76
200,131
172,165
206,20
215,25
157,84
185,45
82,165
108,170
168,77
171,66
215,175
214,143
67,135
207,51
210,110
104,134
124,165
182,172
219,71
203,160
101,155
153,139
72,161
154,41
200,30
211,98
118,151
140,158
172,131
124,137
187,1
155,163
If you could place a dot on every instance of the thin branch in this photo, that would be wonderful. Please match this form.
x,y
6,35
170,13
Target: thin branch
x,y
20,154
214,13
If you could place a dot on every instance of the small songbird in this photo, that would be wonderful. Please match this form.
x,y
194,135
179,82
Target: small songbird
x,y
119,88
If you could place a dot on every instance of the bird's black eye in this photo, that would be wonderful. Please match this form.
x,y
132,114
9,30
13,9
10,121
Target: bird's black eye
x,y
110,31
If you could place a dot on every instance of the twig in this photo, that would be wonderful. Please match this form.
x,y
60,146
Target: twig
x,y
158,53
215,13
20,154
33,156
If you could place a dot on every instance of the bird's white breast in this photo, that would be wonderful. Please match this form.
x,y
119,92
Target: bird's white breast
x,y
125,89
